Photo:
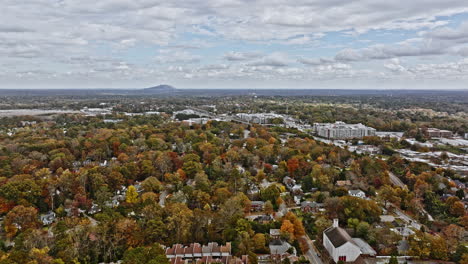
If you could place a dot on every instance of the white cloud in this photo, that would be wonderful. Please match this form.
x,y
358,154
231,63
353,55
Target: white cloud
x,y
440,41
276,59
104,40
176,56
241,56
394,65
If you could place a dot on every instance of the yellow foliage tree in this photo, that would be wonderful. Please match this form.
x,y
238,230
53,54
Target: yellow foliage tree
x,y
132,195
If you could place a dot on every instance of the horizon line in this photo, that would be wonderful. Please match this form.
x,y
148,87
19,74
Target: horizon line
x,y
284,88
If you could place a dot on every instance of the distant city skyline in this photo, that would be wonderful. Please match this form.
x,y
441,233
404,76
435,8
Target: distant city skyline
x,y
338,44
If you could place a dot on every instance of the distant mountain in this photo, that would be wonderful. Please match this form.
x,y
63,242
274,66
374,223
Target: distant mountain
x,y
160,89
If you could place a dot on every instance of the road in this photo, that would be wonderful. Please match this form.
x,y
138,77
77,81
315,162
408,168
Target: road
x,y
407,218
395,180
311,254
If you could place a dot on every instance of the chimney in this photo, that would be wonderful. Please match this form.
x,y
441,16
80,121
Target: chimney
x,y
335,222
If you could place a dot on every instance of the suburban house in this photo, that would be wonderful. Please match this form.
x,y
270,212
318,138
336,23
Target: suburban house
x,y
280,249
275,234
310,207
387,218
403,231
297,189
113,203
48,218
257,206
289,182
339,244
357,193
345,183
263,219
94,209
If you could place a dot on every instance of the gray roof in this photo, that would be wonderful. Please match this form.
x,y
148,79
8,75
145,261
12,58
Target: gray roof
x,y
263,218
355,191
366,249
257,203
338,236
387,218
309,203
275,232
279,248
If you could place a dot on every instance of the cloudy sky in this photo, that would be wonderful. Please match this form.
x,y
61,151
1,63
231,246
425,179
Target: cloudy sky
x,y
380,44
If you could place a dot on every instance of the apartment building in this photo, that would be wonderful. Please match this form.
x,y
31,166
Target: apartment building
x,y
341,130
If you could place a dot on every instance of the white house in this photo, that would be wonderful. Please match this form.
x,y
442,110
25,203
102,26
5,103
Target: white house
x,y
339,244
357,193
48,218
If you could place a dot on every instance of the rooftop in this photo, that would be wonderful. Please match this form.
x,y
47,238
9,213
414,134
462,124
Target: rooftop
x,y
338,236
275,232
366,249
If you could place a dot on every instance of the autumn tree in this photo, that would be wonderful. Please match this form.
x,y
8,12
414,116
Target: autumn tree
x,y
151,184
179,221
293,165
271,193
388,195
20,218
457,209
287,227
132,195
268,208
259,243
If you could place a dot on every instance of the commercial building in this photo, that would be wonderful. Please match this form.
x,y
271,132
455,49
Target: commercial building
x,y
341,130
260,118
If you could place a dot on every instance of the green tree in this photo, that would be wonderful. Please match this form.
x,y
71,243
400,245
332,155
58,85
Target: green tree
x,y
362,230
145,255
353,223
272,193
393,260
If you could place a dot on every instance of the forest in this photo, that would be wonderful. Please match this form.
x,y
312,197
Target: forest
x,y
186,184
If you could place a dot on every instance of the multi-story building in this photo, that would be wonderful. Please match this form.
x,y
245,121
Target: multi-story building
x,y
341,130
259,118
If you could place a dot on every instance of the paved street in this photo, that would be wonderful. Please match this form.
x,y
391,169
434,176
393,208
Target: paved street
x,y
407,218
395,180
311,254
